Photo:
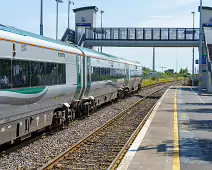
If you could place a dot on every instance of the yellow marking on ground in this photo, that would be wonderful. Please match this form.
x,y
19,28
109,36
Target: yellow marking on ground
x,y
183,117
176,162
183,114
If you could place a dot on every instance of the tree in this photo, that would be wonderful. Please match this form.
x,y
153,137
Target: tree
x,y
183,71
169,72
146,72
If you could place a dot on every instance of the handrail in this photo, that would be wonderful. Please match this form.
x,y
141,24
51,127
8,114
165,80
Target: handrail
x,y
81,40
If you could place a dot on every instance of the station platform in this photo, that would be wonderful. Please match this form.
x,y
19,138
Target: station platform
x,y
177,135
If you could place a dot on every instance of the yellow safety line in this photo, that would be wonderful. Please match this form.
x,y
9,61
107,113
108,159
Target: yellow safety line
x,y
176,163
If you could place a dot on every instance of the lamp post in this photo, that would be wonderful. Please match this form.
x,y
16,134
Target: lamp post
x,y
69,3
200,51
41,17
57,2
193,53
101,26
163,68
177,60
153,62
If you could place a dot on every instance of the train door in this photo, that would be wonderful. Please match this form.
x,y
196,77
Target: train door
x,y
127,74
26,126
17,130
79,77
88,73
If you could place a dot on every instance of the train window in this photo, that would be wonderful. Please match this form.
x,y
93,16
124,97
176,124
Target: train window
x,y
101,73
42,72
98,71
5,74
21,73
37,73
61,73
51,73
30,73
95,74
108,71
34,73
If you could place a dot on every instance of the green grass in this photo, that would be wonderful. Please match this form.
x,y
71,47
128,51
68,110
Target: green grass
x,y
149,82
180,78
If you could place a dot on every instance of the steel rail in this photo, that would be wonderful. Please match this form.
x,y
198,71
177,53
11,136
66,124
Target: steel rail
x,y
17,146
127,145
65,154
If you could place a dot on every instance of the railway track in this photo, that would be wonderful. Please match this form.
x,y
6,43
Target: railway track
x,y
6,148
99,149
35,153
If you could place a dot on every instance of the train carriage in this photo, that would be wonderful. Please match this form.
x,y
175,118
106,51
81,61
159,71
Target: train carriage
x,y
44,82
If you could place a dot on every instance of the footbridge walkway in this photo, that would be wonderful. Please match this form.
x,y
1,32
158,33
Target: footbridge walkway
x,y
142,37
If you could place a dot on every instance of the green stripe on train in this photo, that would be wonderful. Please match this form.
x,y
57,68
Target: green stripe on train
x,y
33,90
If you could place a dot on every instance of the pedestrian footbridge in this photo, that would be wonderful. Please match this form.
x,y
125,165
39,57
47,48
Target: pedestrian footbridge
x,y
154,37
142,37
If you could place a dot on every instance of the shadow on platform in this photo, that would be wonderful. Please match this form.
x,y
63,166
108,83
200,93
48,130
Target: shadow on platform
x,y
197,111
187,103
205,125
193,111
192,148
187,149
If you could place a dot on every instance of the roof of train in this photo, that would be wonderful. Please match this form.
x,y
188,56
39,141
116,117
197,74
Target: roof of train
x,y
32,38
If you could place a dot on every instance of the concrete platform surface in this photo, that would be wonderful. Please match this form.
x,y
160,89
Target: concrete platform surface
x,y
177,135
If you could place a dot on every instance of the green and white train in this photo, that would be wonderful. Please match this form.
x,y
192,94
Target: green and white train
x,y
44,82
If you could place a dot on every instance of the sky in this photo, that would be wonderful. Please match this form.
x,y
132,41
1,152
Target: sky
x,y
25,14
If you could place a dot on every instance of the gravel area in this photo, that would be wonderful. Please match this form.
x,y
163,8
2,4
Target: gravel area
x,y
41,151
101,148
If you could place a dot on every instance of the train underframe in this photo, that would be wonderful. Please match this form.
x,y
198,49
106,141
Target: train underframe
x,y
65,114
86,106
